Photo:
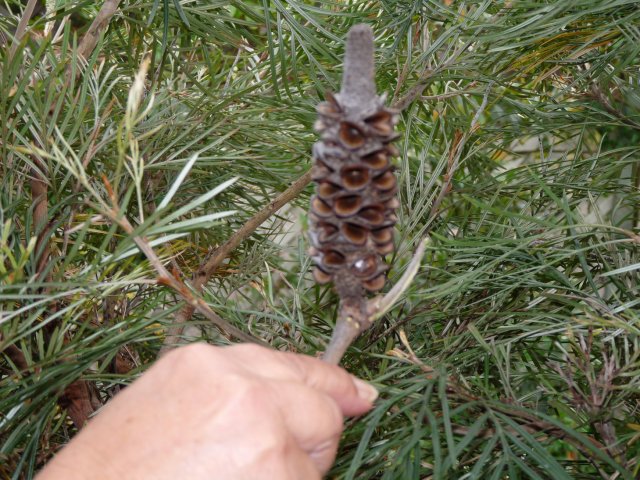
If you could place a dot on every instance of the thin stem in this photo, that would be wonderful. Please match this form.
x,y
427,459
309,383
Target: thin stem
x,y
204,273
166,278
22,26
97,28
222,252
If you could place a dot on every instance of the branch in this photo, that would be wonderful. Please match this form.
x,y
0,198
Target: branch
x,y
412,94
97,28
222,252
22,26
204,273
455,152
166,278
597,94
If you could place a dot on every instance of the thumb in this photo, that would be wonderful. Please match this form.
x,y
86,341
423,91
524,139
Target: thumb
x,y
353,395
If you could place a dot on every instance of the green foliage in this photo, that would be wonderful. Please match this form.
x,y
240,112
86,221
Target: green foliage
x,y
515,353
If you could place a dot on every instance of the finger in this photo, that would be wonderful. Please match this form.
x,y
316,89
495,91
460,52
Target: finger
x,y
300,466
283,460
353,396
312,418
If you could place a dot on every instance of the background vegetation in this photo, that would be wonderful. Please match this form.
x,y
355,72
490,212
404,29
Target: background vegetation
x,y
515,353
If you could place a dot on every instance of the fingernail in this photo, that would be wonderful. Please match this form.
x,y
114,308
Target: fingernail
x,y
366,391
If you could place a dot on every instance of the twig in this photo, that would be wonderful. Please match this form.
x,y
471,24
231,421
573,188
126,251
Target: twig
x,y
222,252
455,152
204,273
444,96
89,154
22,26
166,278
413,93
597,94
476,118
98,26
92,149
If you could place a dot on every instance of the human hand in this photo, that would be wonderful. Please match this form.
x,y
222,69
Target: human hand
x,y
239,412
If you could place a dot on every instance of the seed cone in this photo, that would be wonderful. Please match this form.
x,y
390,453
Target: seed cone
x,y
352,213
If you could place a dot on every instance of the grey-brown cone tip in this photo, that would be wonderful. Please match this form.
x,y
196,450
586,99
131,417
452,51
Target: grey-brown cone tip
x,y
358,85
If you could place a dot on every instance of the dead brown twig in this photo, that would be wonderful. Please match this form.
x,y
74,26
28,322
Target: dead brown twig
x,y
164,276
22,26
204,273
97,27
597,94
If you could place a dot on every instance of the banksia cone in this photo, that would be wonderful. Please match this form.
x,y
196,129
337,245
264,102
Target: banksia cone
x,y
352,213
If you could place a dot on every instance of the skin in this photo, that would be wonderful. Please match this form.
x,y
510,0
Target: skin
x,y
204,412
